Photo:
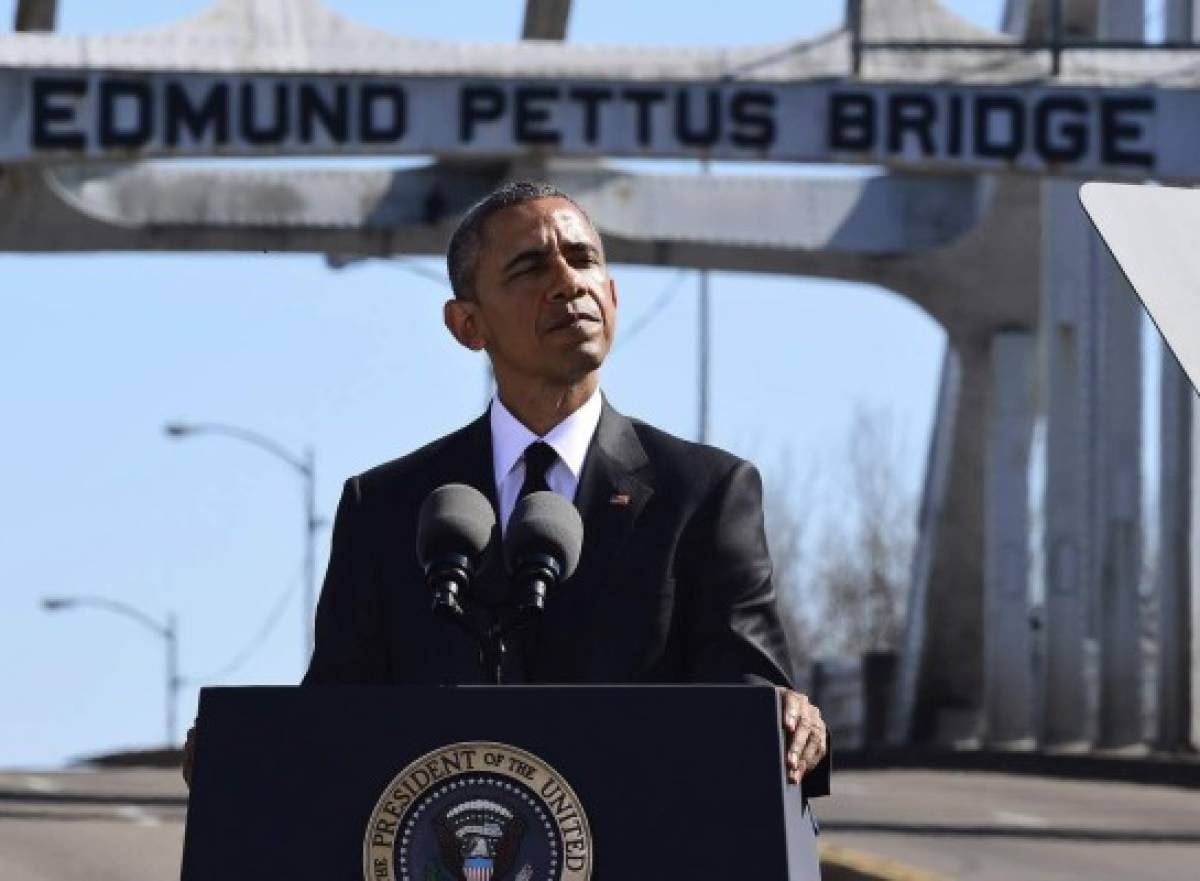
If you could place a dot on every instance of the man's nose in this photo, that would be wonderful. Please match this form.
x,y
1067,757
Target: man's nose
x,y
567,282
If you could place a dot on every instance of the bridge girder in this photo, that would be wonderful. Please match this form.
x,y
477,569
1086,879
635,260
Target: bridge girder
x,y
966,249
931,239
36,15
546,19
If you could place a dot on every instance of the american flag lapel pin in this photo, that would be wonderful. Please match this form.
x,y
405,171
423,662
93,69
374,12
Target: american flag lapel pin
x,y
621,500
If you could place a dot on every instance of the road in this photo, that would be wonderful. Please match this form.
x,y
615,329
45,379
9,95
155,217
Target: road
x,y
995,827
127,825
111,825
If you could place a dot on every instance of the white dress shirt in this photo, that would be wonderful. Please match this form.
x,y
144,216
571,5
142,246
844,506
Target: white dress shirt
x,y
569,439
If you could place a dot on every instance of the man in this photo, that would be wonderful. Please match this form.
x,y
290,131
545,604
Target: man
x,y
674,581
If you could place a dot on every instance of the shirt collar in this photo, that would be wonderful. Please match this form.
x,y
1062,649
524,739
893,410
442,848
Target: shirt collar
x,y
570,438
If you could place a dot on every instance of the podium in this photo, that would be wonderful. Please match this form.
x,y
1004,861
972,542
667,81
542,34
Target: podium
x,y
510,783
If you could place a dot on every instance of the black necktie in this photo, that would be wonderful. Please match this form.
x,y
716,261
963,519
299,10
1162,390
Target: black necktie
x,y
538,457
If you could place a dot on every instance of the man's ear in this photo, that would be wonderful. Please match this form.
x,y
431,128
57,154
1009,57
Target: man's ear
x,y
463,323
612,291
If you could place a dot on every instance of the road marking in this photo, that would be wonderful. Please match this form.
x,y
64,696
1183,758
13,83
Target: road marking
x,y
858,864
1011,818
41,784
136,815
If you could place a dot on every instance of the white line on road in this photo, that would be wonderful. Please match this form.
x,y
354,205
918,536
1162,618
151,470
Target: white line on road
x,y
136,815
1012,818
41,784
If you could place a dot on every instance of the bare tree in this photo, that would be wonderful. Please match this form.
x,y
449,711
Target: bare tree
x,y
864,557
788,512
842,582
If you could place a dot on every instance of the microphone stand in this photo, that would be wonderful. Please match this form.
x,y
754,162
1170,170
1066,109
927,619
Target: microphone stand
x,y
450,577
491,652
536,574
452,555
489,629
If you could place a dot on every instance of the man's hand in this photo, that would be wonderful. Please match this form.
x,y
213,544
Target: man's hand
x,y
807,738
189,755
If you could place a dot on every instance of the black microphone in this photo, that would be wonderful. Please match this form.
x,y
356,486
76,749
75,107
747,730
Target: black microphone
x,y
454,529
541,547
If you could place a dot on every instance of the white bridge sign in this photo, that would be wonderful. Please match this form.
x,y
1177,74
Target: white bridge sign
x,y
1120,133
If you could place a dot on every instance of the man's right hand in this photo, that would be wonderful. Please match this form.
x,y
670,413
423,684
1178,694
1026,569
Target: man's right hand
x,y
189,755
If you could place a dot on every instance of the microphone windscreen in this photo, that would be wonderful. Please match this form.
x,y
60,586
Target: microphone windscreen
x,y
544,523
454,519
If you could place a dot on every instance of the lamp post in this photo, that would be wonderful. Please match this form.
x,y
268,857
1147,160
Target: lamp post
x,y
168,632
305,466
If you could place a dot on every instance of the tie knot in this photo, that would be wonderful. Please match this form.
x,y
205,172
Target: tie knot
x,y
539,456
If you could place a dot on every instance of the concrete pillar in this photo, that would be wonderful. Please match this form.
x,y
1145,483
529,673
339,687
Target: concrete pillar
x,y
902,713
949,700
1180,19
1120,493
1068,361
1178,572
1119,485
1176,728
1008,673
1190,707
1091,350
1122,19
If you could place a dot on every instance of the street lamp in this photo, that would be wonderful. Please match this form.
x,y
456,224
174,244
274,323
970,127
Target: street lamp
x,y
305,466
169,632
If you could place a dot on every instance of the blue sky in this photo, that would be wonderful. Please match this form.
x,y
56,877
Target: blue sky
x,y
98,352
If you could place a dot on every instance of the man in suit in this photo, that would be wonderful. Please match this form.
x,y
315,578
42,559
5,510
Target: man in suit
x,y
674,581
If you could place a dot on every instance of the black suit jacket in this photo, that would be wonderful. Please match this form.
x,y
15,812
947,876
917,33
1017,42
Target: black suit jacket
x,y
673,585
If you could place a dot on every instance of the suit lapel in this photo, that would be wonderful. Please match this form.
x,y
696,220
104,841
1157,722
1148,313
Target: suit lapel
x,y
613,488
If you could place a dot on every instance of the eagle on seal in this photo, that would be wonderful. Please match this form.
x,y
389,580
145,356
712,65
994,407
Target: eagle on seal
x,y
479,839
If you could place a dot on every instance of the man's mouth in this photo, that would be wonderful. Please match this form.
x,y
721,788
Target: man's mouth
x,y
574,319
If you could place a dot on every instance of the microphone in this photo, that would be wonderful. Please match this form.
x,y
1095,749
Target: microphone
x,y
541,546
454,529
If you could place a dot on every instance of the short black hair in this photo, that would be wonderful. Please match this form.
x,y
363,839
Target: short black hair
x,y
462,256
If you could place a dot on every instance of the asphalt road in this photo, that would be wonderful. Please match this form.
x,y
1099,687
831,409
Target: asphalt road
x,y
128,826
102,826
995,827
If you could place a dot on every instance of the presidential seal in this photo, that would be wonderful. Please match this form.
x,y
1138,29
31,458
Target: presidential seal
x,y
478,812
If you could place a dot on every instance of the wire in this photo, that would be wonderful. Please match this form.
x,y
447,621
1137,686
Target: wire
x,y
273,617
653,311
